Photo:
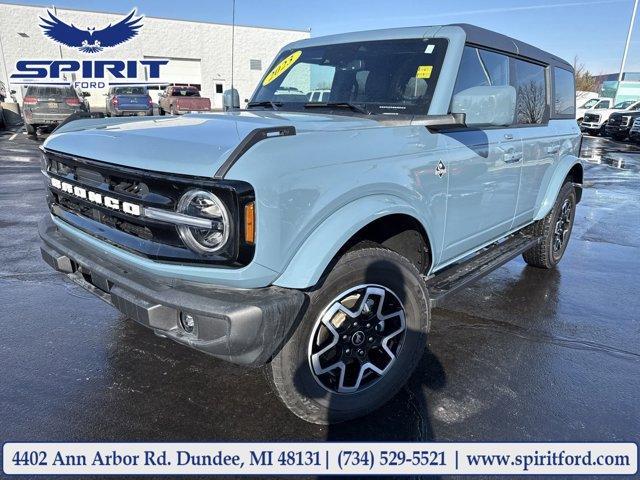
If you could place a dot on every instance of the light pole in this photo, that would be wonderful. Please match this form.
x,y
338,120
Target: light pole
x,y
627,44
233,36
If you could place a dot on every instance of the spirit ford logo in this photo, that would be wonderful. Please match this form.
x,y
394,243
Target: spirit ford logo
x,y
89,40
97,198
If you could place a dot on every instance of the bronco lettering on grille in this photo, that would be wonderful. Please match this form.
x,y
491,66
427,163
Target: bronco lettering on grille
x,y
98,198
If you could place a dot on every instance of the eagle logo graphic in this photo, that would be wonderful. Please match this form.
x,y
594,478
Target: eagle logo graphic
x,y
91,40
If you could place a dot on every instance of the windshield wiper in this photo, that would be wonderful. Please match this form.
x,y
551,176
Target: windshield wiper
x,y
265,103
352,106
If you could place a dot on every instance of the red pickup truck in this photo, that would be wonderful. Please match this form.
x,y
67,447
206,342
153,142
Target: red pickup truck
x,y
178,100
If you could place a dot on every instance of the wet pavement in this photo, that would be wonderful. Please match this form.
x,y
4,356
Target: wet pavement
x,y
524,354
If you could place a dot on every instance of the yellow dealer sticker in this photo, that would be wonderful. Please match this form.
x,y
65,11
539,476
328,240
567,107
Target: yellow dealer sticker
x,y
282,67
424,71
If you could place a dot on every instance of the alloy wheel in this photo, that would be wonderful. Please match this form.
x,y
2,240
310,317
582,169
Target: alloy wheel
x,y
356,339
562,226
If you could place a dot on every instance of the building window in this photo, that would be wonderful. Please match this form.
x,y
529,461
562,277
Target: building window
x,y
255,64
218,88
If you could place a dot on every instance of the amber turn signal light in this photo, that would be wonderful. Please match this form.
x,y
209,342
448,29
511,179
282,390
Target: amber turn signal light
x,y
250,223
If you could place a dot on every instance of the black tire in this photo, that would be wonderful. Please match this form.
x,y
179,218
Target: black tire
x,y
364,269
547,254
161,111
619,138
31,130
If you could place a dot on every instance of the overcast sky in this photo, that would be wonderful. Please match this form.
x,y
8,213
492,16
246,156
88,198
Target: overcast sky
x,y
594,30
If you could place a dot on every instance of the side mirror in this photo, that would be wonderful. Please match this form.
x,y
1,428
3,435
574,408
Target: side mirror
x,y
230,99
486,106
12,92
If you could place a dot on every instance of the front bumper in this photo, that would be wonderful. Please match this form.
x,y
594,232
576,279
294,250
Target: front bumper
x,y
617,129
243,326
590,126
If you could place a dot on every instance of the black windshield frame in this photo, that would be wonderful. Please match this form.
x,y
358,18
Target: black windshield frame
x,y
379,77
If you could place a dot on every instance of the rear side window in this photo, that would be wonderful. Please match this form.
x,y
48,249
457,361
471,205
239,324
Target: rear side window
x,y
129,91
481,68
51,92
531,89
564,94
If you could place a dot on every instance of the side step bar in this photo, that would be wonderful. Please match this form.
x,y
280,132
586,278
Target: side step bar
x,y
462,274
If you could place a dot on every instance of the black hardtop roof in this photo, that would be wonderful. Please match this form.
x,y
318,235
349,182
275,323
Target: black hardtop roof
x,y
488,38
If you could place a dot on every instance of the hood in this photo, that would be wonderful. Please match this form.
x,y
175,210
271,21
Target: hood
x,y
195,144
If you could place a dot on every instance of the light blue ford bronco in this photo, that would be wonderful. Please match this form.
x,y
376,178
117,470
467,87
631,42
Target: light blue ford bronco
x,y
313,233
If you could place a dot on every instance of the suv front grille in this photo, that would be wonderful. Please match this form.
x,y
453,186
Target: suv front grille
x,y
591,117
615,120
136,233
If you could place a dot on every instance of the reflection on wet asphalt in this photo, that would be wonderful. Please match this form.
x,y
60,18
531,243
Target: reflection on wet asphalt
x,y
524,354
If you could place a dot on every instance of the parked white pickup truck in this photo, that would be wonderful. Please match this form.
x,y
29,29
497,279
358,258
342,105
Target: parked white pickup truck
x,y
595,120
593,104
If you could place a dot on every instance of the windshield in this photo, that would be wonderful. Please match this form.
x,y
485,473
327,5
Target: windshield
x,y
381,77
130,91
623,104
590,103
185,92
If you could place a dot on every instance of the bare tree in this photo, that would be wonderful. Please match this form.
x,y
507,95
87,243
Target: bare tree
x,y
531,102
585,81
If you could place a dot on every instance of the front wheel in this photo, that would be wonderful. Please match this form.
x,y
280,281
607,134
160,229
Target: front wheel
x,y
554,230
359,340
31,130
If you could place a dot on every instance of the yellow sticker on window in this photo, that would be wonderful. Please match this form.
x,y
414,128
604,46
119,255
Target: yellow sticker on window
x,y
424,71
282,67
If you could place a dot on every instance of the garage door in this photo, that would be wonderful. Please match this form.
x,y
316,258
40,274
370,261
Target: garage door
x,y
185,71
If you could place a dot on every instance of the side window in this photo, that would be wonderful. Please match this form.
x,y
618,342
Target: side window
x,y
531,89
563,92
481,68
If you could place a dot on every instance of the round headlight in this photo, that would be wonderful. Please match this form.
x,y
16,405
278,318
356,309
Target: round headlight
x,y
205,205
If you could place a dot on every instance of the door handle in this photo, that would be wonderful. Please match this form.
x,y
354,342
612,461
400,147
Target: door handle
x,y
512,157
508,136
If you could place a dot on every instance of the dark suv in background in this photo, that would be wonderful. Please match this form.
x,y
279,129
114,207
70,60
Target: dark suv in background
x,y
620,124
47,107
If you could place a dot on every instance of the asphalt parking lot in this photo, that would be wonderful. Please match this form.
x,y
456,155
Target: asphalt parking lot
x,y
524,354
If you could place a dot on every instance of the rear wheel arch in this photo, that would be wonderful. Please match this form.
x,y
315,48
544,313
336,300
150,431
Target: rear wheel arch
x,y
576,175
568,169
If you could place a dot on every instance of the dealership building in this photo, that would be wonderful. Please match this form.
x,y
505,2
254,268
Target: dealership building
x,y
198,53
